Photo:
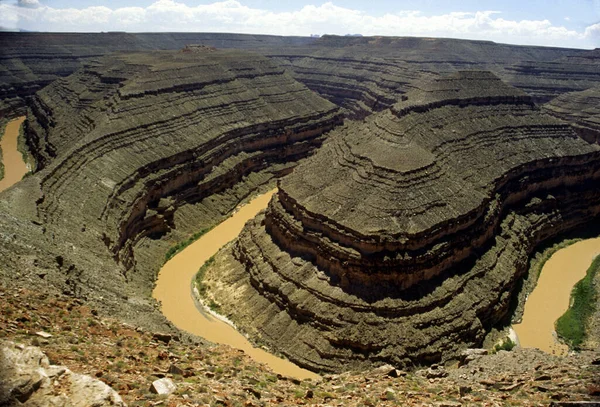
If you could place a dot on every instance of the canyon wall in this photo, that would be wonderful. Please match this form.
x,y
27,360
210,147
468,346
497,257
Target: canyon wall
x,y
403,238
30,61
581,109
137,151
360,74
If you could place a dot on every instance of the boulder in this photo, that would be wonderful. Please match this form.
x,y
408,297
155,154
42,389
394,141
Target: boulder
x,y
163,386
27,377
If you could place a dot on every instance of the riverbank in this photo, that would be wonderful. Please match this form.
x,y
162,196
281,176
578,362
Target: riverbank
x,y
12,159
173,291
550,298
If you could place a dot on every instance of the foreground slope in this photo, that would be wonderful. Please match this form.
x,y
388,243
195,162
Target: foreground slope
x,y
402,239
137,151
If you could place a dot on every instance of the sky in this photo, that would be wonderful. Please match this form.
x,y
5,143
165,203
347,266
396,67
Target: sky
x,y
563,23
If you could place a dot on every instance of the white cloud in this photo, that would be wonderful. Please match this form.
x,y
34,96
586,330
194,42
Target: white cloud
x,y
327,18
593,32
29,3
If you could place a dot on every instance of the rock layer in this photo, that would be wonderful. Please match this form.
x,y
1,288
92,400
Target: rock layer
x,y
360,74
402,239
30,61
368,74
581,109
137,151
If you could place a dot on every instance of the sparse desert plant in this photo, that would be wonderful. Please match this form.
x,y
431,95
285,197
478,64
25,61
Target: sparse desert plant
x,y
507,344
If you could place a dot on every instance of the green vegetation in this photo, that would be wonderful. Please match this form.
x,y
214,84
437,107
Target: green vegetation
x,y
200,276
182,245
506,344
202,287
571,325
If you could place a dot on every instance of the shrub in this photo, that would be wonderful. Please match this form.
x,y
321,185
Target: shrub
x,y
507,345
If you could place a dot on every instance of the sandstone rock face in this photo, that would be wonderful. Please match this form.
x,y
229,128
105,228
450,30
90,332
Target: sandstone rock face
x,y
402,239
138,151
28,379
581,109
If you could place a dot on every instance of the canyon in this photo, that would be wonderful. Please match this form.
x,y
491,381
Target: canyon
x,y
416,178
401,240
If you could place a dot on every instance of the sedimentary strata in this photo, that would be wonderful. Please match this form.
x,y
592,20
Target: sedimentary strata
x,y
137,151
368,74
402,239
581,109
30,61
360,74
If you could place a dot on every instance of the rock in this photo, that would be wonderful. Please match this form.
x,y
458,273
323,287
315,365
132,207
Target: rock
x,y
569,107
575,404
253,391
510,387
542,377
448,403
43,334
464,390
388,370
163,386
166,338
26,376
435,372
309,394
351,213
469,355
174,369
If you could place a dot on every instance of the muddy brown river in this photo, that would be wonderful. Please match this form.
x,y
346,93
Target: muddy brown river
x,y
14,167
550,298
173,290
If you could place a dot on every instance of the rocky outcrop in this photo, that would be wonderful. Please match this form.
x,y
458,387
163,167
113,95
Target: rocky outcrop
x,y
138,151
368,74
360,74
30,61
581,109
402,239
28,379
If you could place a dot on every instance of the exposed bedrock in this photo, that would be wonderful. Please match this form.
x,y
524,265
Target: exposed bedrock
x,y
581,109
402,239
368,74
30,61
360,74
138,151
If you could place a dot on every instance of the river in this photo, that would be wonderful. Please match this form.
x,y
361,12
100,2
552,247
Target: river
x,y
551,296
173,291
14,166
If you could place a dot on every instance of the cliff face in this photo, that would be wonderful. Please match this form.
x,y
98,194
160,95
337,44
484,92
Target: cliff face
x,y
368,74
581,109
138,151
360,74
402,238
30,61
